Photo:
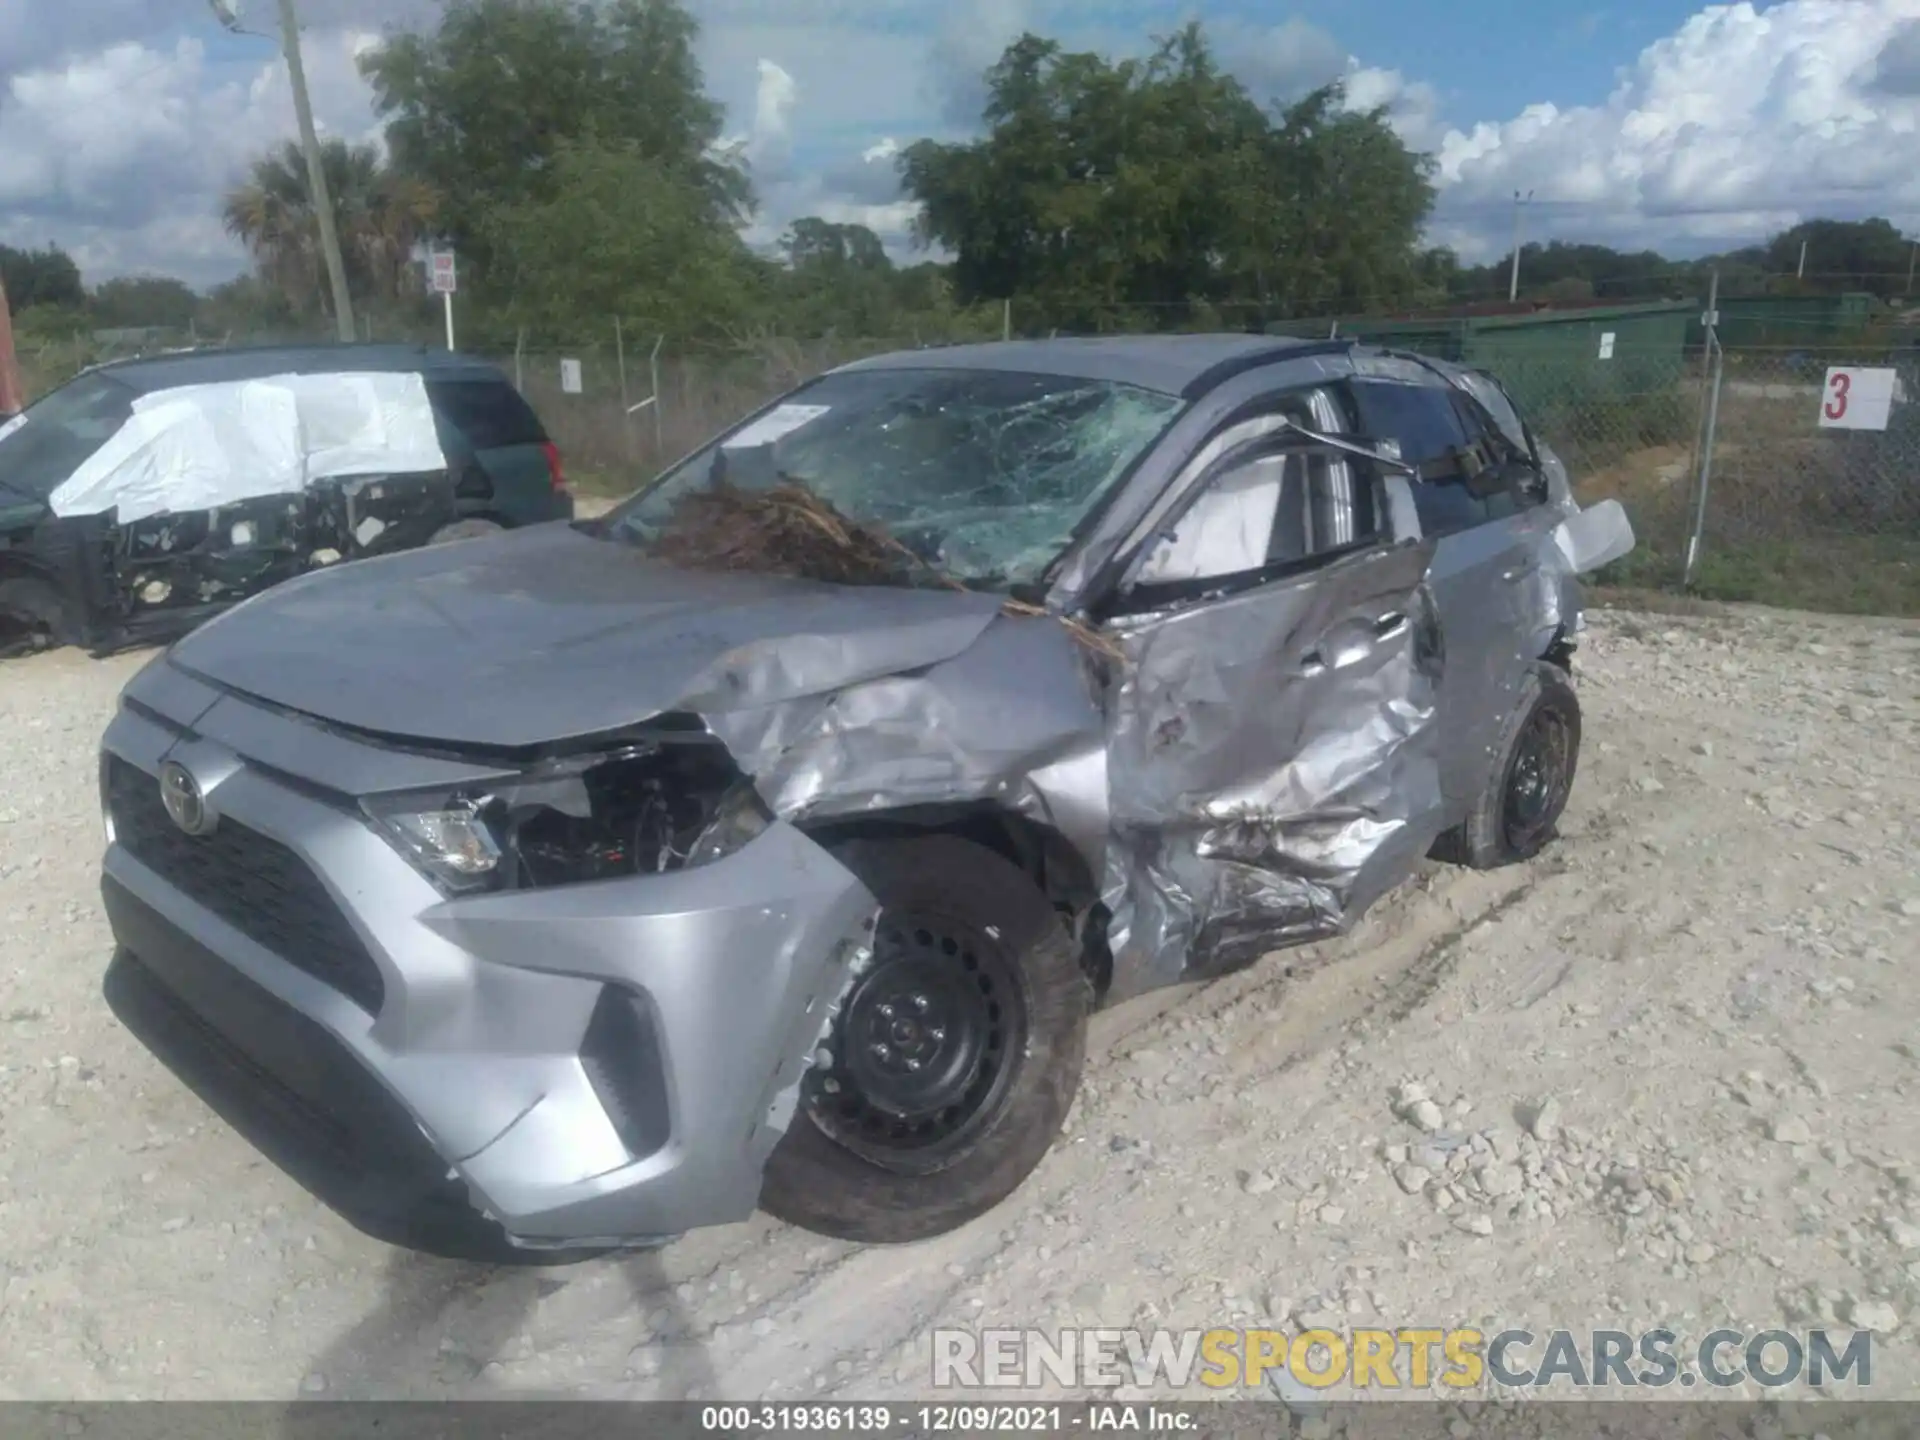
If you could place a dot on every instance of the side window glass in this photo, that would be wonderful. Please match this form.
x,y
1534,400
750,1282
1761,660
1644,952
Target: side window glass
x,y
1431,433
1524,487
1231,527
489,415
1268,507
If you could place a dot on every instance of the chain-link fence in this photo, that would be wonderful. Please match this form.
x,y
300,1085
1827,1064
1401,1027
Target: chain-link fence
x,y
1745,483
621,410
1796,512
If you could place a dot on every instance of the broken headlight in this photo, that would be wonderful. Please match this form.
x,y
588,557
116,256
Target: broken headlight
x,y
641,810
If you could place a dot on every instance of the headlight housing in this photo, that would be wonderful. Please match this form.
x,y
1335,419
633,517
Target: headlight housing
x,y
643,809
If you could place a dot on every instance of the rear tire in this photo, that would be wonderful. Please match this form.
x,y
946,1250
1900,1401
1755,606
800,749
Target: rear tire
x,y
464,530
1518,813
956,1053
33,617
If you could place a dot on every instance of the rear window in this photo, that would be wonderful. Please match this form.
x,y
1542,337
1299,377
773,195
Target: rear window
x,y
46,444
489,413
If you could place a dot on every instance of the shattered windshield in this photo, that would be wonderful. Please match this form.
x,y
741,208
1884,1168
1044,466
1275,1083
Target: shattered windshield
x,y
982,475
43,445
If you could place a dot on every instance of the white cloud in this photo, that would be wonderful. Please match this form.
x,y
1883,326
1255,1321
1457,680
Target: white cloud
x,y
1279,62
1412,106
1896,69
772,114
1742,121
971,38
768,144
122,156
118,144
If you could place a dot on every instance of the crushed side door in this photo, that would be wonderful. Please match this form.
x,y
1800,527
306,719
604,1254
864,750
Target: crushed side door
x,y
1273,762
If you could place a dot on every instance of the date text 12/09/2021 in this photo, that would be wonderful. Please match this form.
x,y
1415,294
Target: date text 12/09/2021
x,y
964,1419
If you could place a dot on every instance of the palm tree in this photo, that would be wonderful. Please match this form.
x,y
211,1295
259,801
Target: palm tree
x,y
381,216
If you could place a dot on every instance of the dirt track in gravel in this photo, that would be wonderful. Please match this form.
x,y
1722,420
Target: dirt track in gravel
x,y
1720,951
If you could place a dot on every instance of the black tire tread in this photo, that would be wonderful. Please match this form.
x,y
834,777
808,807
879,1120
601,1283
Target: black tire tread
x,y
817,1184
38,599
1479,842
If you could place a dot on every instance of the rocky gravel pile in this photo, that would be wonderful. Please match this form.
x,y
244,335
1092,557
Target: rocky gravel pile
x,y
1664,1075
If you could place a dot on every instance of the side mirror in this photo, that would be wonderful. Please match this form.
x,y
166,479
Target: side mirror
x,y
1596,536
1501,479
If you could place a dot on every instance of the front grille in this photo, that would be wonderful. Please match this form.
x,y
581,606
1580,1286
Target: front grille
x,y
257,885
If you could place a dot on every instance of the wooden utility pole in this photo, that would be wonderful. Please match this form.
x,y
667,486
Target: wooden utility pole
x,y
228,14
13,393
316,173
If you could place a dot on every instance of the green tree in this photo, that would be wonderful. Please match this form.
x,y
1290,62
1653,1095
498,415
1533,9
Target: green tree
x,y
1558,270
484,108
824,247
143,302
381,215
246,306
838,280
40,277
1843,255
619,235
1107,191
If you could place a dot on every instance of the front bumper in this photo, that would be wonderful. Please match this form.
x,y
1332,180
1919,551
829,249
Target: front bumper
x,y
607,1063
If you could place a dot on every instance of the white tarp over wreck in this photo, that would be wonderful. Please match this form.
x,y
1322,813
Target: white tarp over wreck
x,y
200,446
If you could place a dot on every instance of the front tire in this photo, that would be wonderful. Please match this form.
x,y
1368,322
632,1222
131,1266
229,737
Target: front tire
x,y
954,1058
33,617
1518,813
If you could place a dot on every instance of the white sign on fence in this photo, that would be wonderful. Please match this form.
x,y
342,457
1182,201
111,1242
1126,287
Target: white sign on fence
x,y
1606,345
441,274
1856,399
570,379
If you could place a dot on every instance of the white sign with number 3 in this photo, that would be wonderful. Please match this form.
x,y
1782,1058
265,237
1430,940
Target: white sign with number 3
x,y
1856,399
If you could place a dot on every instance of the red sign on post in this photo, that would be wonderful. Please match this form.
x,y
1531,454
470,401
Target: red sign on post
x,y
440,272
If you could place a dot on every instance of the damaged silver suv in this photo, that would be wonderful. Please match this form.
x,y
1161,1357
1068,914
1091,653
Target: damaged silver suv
x,y
768,841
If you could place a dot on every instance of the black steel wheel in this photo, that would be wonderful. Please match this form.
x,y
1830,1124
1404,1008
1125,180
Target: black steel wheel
x,y
954,1056
1539,780
925,1045
1518,813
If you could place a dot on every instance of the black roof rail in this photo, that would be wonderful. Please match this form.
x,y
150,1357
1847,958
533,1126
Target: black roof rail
x,y
1218,374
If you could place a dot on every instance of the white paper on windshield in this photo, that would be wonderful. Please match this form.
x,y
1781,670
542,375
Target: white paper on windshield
x,y
200,446
779,421
12,425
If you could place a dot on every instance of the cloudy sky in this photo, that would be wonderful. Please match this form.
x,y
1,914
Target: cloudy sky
x,y
1636,122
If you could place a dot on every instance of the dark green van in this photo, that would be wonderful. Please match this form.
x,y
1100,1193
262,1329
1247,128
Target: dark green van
x,y
104,582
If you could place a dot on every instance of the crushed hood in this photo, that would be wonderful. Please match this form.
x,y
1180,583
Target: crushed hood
x,y
549,634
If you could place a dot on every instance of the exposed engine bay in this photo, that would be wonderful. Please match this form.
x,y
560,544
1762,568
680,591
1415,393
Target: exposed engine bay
x,y
645,807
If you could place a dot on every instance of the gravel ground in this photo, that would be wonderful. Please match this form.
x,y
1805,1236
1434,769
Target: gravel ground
x,y
1710,978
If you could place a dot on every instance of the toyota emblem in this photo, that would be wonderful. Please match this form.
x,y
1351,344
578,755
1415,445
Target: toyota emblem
x,y
180,793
